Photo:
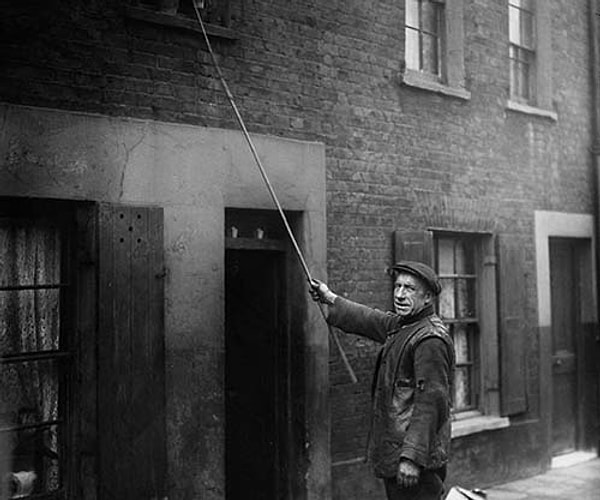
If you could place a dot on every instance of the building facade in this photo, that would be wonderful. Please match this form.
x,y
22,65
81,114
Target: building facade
x,y
158,339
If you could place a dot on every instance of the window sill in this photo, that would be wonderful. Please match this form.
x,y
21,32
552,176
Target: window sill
x,y
531,110
480,423
178,21
421,81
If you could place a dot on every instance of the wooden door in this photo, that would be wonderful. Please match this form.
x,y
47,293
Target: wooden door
x,y
131,353
255,374
565,302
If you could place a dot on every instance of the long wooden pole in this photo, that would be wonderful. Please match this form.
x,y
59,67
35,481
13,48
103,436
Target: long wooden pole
x,y
265,177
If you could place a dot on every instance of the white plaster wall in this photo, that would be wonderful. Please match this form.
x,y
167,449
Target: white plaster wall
x,y
194,173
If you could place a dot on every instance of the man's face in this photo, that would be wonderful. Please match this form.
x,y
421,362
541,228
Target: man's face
x,y
411,295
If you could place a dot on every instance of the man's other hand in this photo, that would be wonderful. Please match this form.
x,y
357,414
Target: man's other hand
x,y
320,292
408,473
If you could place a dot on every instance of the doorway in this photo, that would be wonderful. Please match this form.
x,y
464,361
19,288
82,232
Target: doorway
x,y
573,379
256,370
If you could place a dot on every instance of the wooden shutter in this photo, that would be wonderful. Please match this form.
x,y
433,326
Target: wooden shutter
x,y
131,382
414,245
512,302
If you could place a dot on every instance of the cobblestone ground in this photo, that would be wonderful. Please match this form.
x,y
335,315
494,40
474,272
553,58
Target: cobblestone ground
x,y
575,482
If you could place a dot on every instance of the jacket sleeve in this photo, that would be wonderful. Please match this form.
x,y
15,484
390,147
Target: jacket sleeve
x,y
432,365
360,319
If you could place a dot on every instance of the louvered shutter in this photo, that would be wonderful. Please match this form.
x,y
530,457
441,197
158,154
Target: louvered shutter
x,y
512,304
131,382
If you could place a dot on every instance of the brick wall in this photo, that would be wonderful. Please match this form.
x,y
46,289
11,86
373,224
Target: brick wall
x,y
329,71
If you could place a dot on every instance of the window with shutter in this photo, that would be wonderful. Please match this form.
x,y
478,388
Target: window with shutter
x,y
466,265
82,410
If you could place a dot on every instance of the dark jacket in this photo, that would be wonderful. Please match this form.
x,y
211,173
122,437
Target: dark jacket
x,y
412,384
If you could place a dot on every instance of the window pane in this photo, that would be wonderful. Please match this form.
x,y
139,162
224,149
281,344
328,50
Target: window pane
x,y
430,54
462,389
526,30
430,20
412,13
30,391
520,72
35,461
465,298
412,49
523,4
447,299
29,320
514,25
445,248
458,299
461,343
29,254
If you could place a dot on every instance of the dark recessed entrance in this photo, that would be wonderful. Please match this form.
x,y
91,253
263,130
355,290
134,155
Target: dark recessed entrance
x,y
574,347
256,369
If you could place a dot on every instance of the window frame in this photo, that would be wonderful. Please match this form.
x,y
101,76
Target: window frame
x,y
540,101
486,412
524,55
63,216
451,80
421,32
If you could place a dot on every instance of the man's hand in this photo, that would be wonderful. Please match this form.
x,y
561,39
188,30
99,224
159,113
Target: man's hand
x,y
320,292
408,473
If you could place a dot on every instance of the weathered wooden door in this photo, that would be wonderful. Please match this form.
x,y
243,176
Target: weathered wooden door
x,y
566,333
255,374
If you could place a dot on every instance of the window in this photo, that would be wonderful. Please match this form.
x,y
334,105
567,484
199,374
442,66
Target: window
x,y
34,342
486,384
82,350
433,51
530,57
459,307
521,49
180,14
424,36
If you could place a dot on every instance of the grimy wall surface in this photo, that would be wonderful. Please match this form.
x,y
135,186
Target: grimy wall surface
x,y
194,173
330,72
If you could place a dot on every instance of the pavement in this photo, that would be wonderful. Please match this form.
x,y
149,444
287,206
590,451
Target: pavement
x,y
577,479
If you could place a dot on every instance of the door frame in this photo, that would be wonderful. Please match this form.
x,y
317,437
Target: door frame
x,y
563,225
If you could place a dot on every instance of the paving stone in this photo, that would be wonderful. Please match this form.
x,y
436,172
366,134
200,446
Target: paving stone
x,y
577,482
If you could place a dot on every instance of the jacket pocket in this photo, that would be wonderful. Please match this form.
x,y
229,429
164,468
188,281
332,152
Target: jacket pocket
x,y
401,407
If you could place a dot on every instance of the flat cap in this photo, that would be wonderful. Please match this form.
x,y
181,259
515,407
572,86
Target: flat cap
x,y
420,270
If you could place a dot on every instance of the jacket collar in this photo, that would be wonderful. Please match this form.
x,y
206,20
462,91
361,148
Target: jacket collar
x,y
423,313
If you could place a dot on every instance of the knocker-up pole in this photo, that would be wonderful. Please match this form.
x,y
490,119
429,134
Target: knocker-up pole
x,y
263,173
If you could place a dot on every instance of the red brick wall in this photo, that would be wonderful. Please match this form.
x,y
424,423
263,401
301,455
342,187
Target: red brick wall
x,y
329,71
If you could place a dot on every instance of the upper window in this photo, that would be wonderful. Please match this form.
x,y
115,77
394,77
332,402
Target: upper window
x,y
434,54
530,57
521,49
424,36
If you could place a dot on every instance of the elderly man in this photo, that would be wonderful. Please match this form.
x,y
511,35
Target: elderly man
x,y
412,385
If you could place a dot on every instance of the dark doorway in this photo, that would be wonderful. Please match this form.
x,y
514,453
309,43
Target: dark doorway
x,y
572,385
255,372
